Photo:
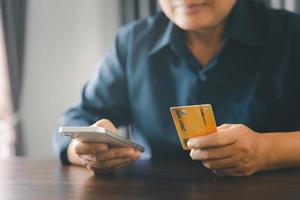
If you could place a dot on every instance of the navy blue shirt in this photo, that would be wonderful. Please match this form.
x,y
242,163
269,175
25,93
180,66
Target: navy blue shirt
x,y
254,79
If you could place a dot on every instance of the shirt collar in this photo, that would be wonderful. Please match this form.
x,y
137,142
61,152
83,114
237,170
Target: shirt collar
x,y
164,39
243,25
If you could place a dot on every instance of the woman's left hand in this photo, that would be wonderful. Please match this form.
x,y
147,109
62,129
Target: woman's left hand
x,y
234,150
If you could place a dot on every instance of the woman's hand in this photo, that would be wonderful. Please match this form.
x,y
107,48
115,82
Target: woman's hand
x,y
98,157
234,150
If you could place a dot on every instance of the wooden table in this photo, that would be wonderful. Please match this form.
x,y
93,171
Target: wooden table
x,y
41,179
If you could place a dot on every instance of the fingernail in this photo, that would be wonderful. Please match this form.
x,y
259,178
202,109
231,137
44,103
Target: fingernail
x,y
191,143
192,154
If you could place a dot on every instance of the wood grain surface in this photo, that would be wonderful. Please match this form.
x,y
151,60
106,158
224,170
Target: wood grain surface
x,y
47,179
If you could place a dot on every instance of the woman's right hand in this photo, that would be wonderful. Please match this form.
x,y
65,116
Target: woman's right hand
x,y
98,156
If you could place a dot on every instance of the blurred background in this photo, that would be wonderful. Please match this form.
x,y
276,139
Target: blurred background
x,y
48,50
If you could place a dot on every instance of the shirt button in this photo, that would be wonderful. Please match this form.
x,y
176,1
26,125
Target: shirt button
x,y
203,77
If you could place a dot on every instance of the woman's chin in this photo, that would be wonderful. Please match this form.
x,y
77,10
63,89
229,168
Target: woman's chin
x,y
192,26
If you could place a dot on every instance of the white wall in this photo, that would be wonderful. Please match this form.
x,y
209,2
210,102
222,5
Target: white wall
x,y
64,41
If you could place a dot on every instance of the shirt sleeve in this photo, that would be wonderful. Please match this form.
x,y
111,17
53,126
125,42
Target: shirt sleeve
x,y
104,96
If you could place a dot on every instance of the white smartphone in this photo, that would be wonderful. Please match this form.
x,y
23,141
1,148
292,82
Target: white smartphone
x,y
98,135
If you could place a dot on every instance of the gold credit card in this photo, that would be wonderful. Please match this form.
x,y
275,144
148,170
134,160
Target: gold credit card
x,y
192,121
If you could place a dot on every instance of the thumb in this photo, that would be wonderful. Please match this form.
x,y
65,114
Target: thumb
x,y
105,123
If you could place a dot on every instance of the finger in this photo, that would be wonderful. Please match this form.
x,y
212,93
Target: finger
x,y
87,163
122,165
224,126
212,153
88,157
137,155
219,164
118,153
217,139
90,148
105,123
83,161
